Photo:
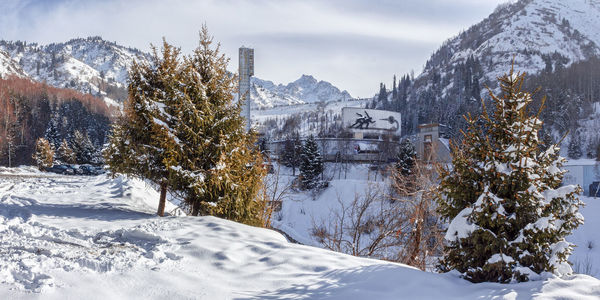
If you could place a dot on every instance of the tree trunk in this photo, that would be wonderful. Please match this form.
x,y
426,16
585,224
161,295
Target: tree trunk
x,y
196,208
162,200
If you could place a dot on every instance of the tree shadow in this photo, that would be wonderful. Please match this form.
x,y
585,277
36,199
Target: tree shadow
x,y
396,282
100,211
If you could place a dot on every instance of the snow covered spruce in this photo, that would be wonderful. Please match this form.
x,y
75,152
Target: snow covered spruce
x,y
183,131
509,214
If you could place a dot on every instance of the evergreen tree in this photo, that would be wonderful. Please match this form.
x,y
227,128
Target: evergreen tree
x,y
406,157
311,166
382,98
44,154
65,154
290,156
394,90
593,148
575,151
52,133
509,214
141,139
83,148
215,163
547,140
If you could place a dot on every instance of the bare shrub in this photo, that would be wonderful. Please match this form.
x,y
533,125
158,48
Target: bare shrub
x,y
399,224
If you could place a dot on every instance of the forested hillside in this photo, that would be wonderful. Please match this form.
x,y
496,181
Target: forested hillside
x,y
29,110
554,42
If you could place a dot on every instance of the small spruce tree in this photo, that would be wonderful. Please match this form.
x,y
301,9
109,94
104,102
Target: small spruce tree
x,y
65,154
214,164
290,156
83,148
509,213
44,154
574,149
311,166
52,133
141,140
406,157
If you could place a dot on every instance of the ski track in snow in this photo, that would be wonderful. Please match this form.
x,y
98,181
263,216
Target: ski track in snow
x,y
30,248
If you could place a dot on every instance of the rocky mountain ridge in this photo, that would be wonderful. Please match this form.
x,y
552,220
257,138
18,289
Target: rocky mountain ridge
x,y
99,67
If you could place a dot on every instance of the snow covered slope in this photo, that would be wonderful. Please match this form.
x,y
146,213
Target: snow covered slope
x,y
70,237
90,65
533,32
93,65
9,67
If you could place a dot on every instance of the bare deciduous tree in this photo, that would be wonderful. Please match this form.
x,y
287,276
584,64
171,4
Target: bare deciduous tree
x,y
400,225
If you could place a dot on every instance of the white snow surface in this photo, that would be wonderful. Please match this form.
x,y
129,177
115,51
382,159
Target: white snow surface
x,y
76,237
9,67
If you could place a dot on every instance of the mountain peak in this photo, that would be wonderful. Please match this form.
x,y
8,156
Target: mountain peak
x,y
306,89
536,33
309,79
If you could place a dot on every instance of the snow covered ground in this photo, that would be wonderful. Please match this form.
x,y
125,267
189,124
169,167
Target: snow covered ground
x,y
76,237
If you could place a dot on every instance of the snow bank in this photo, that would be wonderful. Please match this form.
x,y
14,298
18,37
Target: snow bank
x,y
71,237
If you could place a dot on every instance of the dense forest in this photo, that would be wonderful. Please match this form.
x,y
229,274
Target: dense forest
x,y
30,110
572,97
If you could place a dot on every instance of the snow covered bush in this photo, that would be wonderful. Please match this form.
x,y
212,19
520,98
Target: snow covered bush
x,y
509,214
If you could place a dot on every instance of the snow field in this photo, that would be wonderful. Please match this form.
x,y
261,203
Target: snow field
x,y
75,237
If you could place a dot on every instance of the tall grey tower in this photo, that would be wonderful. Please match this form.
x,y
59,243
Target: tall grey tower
x,y
246,71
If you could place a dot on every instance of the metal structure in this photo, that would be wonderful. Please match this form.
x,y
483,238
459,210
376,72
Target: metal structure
x,y
246,70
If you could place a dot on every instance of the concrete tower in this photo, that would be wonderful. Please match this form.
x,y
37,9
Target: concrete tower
x,y
246,71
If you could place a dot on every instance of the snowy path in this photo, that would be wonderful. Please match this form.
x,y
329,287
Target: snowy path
x,y
97,238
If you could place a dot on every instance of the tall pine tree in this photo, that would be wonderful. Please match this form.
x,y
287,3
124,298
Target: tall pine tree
x,y
216,163
406,157
509,214
141,139
574,149
83,148
44,154
65,154
311,166
290,155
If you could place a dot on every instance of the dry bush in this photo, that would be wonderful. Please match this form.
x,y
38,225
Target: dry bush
x,y
399,224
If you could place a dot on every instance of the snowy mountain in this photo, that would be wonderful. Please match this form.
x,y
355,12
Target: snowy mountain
x,y
306,89
9,67
90,65
538,34
96,66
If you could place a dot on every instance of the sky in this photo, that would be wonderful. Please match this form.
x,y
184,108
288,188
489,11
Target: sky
x,y
354,44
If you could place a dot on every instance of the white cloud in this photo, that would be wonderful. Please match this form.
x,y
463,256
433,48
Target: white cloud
x,y
355,44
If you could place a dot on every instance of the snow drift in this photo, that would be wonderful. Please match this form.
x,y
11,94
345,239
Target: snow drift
x,y
97,238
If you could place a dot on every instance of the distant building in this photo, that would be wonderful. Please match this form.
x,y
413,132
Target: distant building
x,y
431,144
246,70
583,172
368,135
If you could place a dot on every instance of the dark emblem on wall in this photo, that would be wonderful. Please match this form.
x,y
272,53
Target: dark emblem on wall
x,y
392,121
362,122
